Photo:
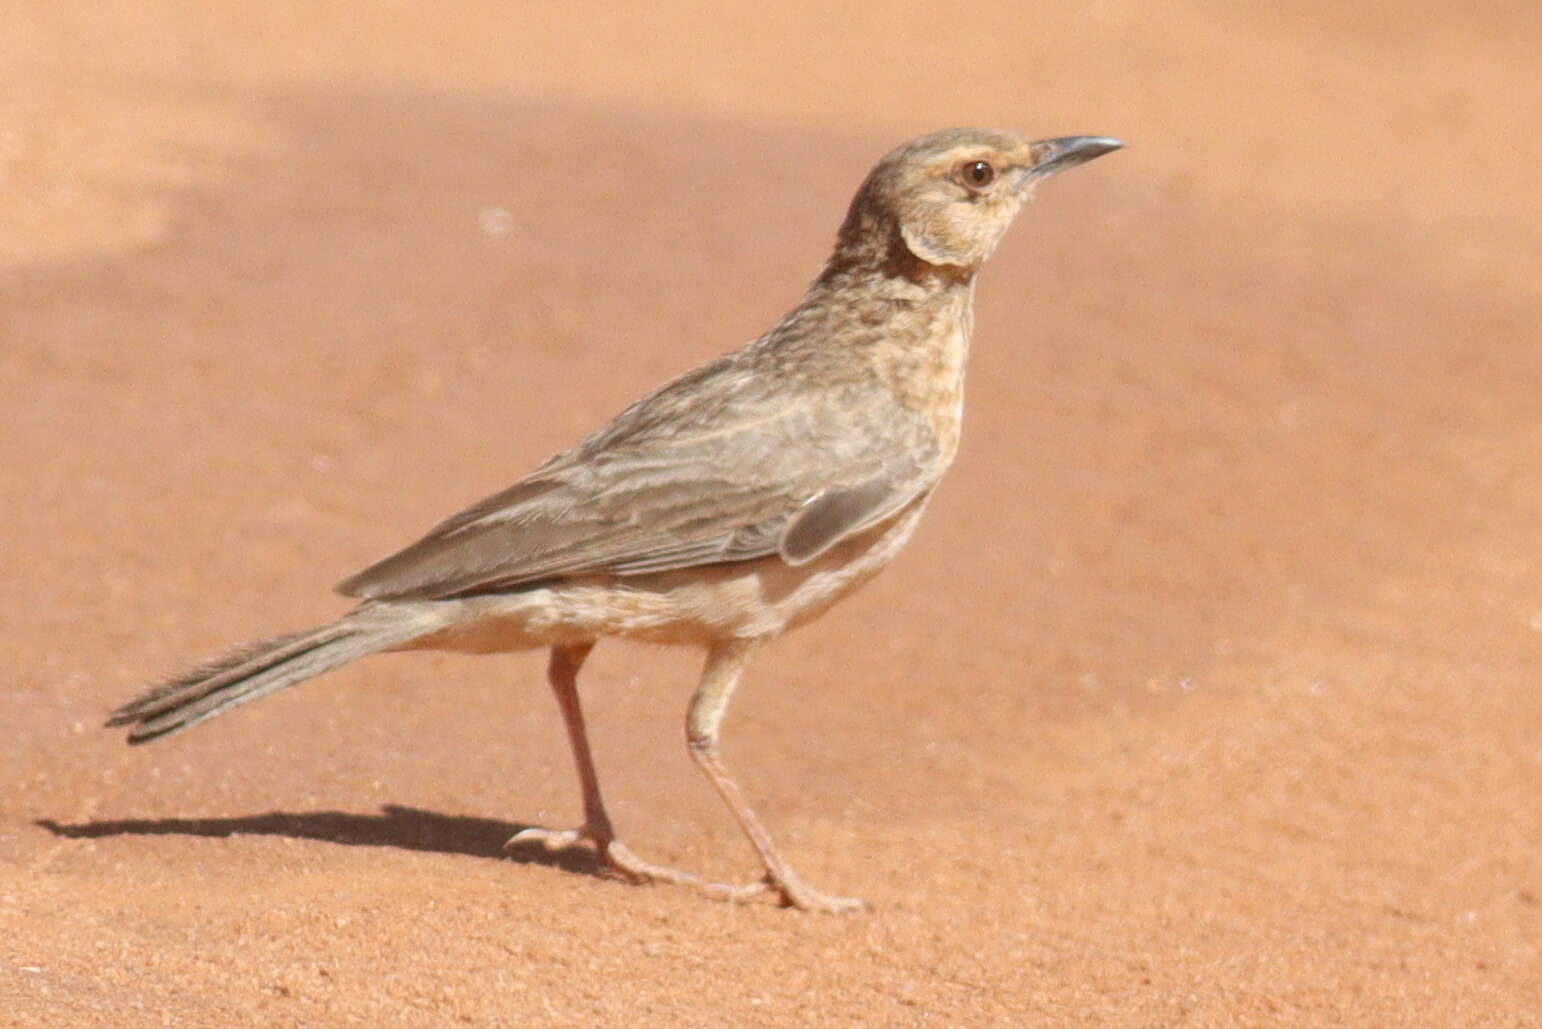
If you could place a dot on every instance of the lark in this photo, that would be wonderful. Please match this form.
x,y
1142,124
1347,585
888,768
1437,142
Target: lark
x,y
729,506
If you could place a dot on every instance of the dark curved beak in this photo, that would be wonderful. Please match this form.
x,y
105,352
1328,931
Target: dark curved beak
x,y
1056,155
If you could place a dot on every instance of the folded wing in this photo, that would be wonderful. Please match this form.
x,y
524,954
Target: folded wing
x,y
739,476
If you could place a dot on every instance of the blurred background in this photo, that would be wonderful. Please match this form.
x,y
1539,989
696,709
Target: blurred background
x,y
1208,692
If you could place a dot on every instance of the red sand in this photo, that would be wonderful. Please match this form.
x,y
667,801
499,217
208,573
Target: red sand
x,y
1208,694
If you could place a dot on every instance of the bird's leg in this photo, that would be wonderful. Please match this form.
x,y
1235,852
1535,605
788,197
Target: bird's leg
x,y
562,672
725,664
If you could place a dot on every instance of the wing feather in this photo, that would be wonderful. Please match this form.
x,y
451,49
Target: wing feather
x,y
751,475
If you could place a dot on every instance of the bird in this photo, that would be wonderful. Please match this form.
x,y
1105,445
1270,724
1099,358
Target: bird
x,y
736,502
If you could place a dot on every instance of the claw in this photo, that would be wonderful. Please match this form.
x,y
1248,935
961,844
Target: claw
x,y
551,839
795,893
824,903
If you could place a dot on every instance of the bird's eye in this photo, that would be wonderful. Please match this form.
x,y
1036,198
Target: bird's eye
x,y
977,174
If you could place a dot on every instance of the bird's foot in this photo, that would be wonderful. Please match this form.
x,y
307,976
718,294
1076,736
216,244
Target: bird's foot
x,y
791,890
554,839
796,893
618,860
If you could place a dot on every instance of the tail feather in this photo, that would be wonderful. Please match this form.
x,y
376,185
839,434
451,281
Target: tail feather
x,y
256,670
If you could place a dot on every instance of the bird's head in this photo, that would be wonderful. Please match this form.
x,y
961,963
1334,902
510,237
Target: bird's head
x,y
947,198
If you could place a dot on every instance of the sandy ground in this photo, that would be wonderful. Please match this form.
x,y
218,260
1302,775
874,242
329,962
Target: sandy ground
x,y
1209,694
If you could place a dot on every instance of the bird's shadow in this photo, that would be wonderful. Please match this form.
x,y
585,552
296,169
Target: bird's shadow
x,y
405,828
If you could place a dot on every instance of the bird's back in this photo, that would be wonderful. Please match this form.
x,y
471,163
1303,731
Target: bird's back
x,y
834,420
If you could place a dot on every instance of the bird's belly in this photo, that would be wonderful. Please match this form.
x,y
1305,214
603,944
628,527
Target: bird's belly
x,y
691,606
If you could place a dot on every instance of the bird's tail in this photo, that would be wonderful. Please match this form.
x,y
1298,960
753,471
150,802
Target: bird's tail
x,y
266,666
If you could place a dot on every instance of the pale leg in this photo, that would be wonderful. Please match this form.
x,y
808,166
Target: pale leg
x,y
562,673
614,855
725,664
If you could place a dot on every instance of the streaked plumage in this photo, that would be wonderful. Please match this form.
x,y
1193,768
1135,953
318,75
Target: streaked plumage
x,y
734,503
